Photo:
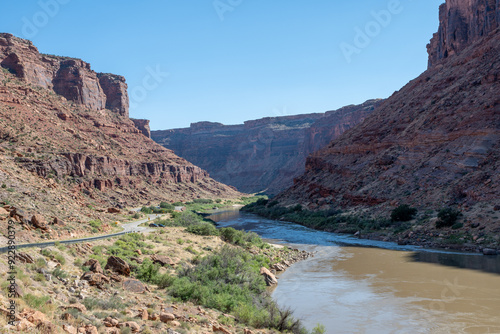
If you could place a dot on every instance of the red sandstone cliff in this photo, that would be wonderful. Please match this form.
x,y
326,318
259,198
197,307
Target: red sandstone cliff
x,y
461,23
61,152
68,77
264,154
434,143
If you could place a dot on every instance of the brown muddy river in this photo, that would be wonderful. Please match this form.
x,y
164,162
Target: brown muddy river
x,y
360,286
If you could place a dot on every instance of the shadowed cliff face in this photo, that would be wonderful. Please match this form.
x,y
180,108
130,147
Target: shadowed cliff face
x,y
261,155
434,143
461,23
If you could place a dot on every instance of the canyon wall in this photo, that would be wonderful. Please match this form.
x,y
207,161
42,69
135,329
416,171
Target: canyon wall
x,y
260,155
434,143
461,23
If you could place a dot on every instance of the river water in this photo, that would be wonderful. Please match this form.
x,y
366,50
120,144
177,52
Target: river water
x,y
362,286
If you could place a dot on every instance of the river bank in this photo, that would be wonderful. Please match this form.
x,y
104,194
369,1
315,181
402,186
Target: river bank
x,y
422,232
356,285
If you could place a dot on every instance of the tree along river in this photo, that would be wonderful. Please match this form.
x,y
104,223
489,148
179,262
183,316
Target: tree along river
x,y
360,286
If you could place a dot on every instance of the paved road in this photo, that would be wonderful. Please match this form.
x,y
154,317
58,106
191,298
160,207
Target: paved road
x,y
127,228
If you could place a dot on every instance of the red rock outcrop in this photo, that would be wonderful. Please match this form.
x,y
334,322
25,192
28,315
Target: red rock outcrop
x,y
461,23
143,126
115,89
68,77
434,143
264,154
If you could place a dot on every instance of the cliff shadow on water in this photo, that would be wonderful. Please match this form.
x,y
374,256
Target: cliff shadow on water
x,y
488,264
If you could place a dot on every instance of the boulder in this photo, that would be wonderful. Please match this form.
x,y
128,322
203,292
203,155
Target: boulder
x,y
94,266
133,285
95,279
33,316
77,306
113,210
489,251
69,329
118,266
89,329
166,317
38,221
143,314
220,329
130,324
4,212
164,260
46,327
268,276
175,323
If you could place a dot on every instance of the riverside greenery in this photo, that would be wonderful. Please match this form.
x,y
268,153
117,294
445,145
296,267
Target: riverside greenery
x,y
329,220
227,279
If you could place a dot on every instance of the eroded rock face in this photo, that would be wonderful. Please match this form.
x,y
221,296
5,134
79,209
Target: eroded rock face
x,y
264,154
71,78
115,89
143,126
461,23
77,82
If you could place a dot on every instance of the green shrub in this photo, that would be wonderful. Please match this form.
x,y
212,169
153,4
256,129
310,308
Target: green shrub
x,y
168,206
240,238
60,258
95,224
59,273
203,229
447,217
457,226
35,302
187,218
202,201
46,253
319,329
403,213
136,215
146,210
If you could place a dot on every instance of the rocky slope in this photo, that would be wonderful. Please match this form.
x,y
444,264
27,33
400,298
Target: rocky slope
x,y
434,143
264,154
64,155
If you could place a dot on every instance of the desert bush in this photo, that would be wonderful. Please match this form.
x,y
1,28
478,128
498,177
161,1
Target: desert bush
x,y
167,206
36,302
146,210
403,213
447,217
202,201
203,229
240,238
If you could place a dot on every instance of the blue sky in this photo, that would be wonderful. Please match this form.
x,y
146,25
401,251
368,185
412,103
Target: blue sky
x,y
234,60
